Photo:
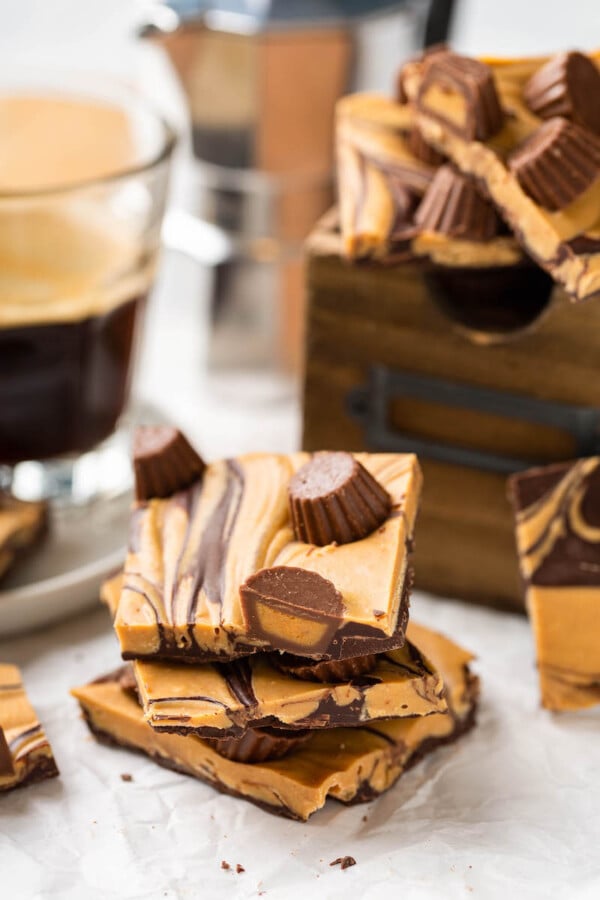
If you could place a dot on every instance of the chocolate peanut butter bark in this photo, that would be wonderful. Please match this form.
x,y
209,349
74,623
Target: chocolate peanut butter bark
x,y
224,699
217,569
25,753
558,540
389,186
527,131
353,765
22,525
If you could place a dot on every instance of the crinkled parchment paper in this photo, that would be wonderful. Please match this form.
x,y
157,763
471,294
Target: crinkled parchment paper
x,y
510,811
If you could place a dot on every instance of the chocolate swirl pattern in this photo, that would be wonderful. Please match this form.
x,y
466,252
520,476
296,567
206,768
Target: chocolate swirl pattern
x,y
25,753
224,699
380,180
559,531
558,541
191,552
352,765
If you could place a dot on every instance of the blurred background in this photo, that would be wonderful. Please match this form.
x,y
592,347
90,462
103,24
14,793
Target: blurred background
x,y
250,87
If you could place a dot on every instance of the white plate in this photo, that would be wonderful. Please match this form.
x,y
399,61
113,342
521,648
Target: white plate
x,y
63,575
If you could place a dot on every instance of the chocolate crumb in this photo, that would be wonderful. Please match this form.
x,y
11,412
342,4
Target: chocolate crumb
x,y
344,862
378,613
225,865
239,869
125,776
365,818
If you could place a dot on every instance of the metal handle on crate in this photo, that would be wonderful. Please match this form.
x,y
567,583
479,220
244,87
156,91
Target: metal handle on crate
x,y
370,405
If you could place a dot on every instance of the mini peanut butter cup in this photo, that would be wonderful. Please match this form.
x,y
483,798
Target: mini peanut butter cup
x,y
292,609
333,498
123,676
568,85
453,205
461,92
331,671
557,163
127,680
258,744
163,462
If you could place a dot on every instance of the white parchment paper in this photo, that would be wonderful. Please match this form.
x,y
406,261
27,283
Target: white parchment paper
x,y
512,810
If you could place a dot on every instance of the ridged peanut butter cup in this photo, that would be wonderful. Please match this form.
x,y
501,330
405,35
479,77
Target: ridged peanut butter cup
x,y
423,151
568,85
124,676
427,53
557,163
453,205
329,672
258,744
163,462
461,92
333,498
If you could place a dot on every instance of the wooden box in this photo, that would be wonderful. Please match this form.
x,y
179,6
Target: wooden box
x,y
389,367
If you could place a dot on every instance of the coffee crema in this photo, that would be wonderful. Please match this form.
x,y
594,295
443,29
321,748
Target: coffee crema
x,y
73,276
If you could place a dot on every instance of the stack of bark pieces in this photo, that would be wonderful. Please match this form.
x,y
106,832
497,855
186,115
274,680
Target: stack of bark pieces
x,y
264,604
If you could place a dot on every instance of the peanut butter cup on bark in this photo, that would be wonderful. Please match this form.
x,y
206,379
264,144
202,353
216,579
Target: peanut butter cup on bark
x,y
294,609
460,92
333,499
258,744
557,163
453,205
567,86
163,461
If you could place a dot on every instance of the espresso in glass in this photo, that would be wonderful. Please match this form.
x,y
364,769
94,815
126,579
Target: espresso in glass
x,y
82,191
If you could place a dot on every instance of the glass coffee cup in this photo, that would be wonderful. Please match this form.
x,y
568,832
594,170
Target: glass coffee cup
x,y
84,169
